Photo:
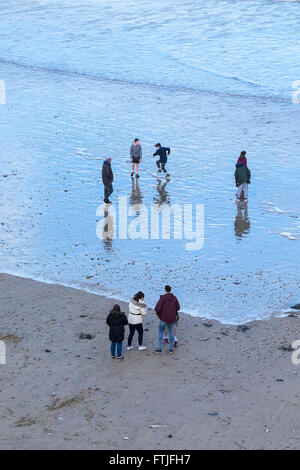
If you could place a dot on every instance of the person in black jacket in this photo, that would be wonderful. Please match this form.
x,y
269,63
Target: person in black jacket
x,y
116,321
107,178
163,153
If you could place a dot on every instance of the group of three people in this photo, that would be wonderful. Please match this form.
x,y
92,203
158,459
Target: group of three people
x,y
136,160
166,309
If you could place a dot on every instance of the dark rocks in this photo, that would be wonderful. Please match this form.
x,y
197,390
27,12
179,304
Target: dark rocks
x,y
212,414
286,348
86,336
296,307
207,325
242,328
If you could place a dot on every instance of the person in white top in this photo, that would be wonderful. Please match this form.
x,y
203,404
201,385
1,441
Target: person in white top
x,y
137,309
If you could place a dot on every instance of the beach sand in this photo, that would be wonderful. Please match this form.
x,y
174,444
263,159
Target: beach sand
x,y
221,389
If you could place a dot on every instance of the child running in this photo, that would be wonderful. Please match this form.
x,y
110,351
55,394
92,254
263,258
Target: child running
x,y
163,153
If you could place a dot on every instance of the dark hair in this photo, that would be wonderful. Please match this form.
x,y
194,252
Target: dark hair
x,y
243,153
157,145
116,309
136,140
168,288
140,295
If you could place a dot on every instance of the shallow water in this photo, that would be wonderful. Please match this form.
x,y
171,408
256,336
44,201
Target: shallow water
x,y
207,78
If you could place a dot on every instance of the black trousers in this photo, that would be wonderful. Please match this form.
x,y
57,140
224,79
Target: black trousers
x,y
161,165
139,329
108,190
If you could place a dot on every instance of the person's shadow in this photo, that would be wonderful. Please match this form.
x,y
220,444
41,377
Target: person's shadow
x,y
163,195
242,221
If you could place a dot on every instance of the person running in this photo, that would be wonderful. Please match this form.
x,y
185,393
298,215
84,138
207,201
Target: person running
x,y
166,309
163,153
242,179
136,157
242,158
116,321
107,178
137,309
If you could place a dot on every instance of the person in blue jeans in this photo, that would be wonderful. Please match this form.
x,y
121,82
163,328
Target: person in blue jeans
x,y
116,321
167,309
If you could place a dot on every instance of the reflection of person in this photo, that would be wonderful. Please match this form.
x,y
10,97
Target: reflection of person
x,y
137,309
108,230
107,178
242,222
136,196
163,195
136,156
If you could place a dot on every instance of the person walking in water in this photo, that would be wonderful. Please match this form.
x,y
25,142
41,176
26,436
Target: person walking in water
x,y
242,158
116,321
242,179
137,309
166,309
163,153
136,157
107,178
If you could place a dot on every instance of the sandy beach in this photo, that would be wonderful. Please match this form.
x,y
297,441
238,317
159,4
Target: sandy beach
x,y
224,388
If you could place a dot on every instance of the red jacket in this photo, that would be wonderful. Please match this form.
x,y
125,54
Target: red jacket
x,y
167,308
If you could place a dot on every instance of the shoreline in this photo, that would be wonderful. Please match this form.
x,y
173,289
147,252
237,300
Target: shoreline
x,y
225,387
276,314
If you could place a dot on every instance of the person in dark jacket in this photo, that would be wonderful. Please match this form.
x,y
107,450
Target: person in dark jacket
x,y
116,321
136,157
163,153
167,309
242,179
107,178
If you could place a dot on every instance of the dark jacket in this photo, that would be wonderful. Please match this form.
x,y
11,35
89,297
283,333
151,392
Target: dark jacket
x,y
116,323
163,153
107,174
242,174
167,308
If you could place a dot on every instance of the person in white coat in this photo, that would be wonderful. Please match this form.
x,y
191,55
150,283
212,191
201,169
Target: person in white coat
x,y
137,309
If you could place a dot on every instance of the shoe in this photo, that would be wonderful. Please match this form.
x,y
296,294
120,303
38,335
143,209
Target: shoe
x,y
175,344
171,351
132,174
142,348
166,340
113,357
245,200
129,348
107,201
122,357
238,200
137,176
157,351
158,171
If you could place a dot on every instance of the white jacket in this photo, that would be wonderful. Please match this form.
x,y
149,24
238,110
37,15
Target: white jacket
x,y
137,310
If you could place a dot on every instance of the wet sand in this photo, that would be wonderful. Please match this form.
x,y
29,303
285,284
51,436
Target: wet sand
x,y
222,389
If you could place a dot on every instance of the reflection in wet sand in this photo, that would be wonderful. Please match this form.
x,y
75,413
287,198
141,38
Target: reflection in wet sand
x,y
108,231
242,221
163,195
136,196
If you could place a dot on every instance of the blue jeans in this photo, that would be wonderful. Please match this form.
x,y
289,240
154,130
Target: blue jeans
x,y
161,329
119,348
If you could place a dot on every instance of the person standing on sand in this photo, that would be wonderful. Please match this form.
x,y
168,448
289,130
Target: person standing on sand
x,y
163,153
107,178
136,157
116,321
242,179
242,158
137,309
166,309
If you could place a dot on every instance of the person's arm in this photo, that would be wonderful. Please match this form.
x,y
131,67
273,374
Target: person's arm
x,y
144,311
249,176
108,320
125,321
155,153
141,153
168,150
158,307
236,178
177,305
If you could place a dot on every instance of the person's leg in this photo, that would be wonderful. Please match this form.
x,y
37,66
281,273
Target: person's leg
x,y
246,190
161,329
110,189
140,331
239,191
133,165
163,167
113,349
166,335
171,335
131,334
119,349
137,168
158,165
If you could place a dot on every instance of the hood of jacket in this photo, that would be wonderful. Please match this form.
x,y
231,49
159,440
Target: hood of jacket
x,y
138,304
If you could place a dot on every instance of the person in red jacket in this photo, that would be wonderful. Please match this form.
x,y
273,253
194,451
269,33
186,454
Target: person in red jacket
x,y
167,309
